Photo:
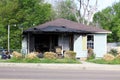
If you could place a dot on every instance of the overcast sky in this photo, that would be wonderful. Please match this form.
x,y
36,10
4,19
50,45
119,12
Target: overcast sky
x,y
105,3
101,3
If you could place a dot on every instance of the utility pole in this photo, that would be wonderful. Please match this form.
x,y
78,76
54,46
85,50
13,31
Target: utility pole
x,y
8,38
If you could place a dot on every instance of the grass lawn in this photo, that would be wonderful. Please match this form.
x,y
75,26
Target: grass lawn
x,y
42,60
101,61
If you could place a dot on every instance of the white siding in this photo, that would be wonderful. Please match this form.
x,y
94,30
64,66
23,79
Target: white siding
x,y
64,42
100,44
78,47
24,45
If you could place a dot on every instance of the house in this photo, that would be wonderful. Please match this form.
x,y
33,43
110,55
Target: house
x,y
68,35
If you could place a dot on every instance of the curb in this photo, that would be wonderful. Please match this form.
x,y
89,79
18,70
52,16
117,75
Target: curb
x,y
63,66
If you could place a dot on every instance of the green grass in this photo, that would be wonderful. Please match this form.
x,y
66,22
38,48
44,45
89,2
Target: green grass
x,y
101,61
42,60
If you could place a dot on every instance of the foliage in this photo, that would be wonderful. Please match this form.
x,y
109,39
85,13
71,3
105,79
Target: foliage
x,y
41,60
59,61
113,52
50,55
102,61
17,55
70,54
109,19
31,56
108,57
63,9
14,59
23,13
31,60
118,56
91,54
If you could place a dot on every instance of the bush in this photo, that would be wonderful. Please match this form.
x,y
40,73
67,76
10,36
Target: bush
x,y
31,55
117,57
50,55
113,52
17,55
91,54
70,54
108,57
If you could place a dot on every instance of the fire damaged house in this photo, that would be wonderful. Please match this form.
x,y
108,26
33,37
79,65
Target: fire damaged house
x,y
67,35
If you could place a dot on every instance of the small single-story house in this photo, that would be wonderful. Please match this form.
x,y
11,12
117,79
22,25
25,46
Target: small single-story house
x,y
66,34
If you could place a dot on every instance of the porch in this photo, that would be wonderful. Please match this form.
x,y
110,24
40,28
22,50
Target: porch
x,y
43,42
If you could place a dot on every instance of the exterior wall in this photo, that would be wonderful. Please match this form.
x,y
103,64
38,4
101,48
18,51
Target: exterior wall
x,y
100,44
24,45
78,47
64,42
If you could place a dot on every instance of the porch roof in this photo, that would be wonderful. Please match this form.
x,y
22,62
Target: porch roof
x,y
63,25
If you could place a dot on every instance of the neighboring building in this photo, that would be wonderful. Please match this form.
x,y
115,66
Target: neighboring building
x,y
68,35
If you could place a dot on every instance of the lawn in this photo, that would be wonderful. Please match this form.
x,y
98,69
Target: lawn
x,y
102,61
41,60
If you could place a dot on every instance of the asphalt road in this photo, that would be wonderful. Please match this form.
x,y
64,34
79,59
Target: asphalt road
x,y
12,73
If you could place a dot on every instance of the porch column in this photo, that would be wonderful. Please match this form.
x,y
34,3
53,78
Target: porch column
x,y
28,43
24,45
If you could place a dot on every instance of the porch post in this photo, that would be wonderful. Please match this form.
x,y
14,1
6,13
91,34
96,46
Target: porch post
x,y
62,43
50,43
28,43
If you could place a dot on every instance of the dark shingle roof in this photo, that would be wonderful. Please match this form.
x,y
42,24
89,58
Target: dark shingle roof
x,y
63,25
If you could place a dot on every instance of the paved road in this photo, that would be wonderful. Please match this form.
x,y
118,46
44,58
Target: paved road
x,y
18,73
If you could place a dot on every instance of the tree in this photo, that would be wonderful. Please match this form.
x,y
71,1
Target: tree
x,y
23,13
63,9
108,19
82,11
85,10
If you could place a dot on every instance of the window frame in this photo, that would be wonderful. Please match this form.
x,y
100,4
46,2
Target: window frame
x,y
90,41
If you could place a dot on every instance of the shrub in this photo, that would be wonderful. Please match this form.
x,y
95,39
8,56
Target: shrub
x,y
50,55
70,54
113,52
32,58
117,57
91,54
108,57
31,55
17,55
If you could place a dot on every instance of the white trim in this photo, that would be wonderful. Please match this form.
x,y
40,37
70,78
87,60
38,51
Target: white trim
x,y
103,32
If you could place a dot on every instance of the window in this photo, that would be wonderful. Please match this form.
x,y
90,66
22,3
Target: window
x,y
90,41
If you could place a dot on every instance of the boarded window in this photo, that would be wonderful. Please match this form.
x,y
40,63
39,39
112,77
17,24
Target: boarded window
x,y
84,42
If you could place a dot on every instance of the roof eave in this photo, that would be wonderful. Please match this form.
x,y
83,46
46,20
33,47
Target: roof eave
x,y
104,32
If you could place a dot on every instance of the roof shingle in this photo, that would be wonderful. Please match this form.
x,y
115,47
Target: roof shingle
x,y
64,25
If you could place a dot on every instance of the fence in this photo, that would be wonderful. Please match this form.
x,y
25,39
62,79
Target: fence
x,y
114,45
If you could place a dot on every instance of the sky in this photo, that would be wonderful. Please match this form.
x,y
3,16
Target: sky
x,y
102,4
